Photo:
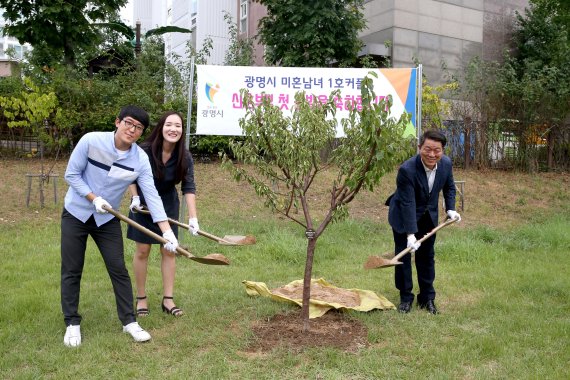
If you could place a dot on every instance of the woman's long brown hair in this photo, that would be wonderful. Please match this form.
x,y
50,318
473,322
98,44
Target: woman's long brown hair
x,y
155,141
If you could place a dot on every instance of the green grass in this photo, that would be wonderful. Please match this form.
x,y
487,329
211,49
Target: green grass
x,y
503,296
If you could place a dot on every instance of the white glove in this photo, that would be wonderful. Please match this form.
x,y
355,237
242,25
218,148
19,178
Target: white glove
x,y
135,203
172,241
99,203
454,215
413,242
193,226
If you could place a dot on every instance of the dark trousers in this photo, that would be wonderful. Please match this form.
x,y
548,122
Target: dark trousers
x,y
425,264
109,240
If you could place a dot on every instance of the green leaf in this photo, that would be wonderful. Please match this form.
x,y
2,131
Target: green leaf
x,y
120,27
166,29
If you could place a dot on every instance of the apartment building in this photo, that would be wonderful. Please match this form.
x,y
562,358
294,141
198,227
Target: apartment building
x,y
11,51
12,43
204,17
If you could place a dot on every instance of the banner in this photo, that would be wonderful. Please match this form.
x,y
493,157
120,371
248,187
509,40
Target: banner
x,y
220,106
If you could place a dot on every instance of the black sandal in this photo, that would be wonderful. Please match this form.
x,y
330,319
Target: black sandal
x,y
142,312
175,311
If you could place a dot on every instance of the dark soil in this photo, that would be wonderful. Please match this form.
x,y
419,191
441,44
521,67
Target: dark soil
x,y
285,331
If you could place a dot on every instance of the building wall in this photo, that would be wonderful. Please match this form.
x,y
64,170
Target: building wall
x,y
433,32
182,15
497,25
204,17
439,32
211,23
256,11
150,13
8,68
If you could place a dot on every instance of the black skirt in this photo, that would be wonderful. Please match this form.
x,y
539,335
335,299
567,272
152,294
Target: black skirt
x,y
171,206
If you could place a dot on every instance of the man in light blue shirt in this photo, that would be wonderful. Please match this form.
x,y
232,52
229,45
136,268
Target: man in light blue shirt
x,y
101,167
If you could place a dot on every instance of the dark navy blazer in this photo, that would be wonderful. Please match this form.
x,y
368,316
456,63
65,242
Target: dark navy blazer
x,y
412,196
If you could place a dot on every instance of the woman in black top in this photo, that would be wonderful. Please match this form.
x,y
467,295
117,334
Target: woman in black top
x,y
171,164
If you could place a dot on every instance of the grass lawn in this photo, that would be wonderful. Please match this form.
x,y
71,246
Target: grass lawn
x,y
502,282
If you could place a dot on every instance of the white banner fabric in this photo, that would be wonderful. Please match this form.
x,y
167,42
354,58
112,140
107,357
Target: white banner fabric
x,y
219,102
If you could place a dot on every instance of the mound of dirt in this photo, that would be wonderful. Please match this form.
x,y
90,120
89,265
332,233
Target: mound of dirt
x,y
322,293
334,329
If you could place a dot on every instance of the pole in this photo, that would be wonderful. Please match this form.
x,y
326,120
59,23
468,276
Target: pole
x,y
190,94
138,38
419,104
183,212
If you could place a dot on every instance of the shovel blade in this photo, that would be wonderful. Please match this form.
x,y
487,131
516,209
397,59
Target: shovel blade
x,y
374,262
238,240
212,259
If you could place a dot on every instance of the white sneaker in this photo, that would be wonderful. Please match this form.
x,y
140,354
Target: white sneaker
x,y
137,332
72,336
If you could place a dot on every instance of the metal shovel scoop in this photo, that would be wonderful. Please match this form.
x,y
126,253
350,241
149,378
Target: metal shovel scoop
x,y
374,262
211,259
226,240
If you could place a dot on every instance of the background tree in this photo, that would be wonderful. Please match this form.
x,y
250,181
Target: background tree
x,y
558,9
477,108
521,104
30,110
311,33
63,27
240,51
284,156
535,82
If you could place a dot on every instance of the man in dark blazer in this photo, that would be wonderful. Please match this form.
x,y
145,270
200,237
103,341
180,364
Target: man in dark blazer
x,y
414,212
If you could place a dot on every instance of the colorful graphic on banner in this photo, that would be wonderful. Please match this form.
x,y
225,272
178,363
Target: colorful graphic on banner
x,y
220,104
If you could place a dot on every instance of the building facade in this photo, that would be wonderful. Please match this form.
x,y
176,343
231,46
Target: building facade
x,y
435,33
248,19
204,17
438,32
8,44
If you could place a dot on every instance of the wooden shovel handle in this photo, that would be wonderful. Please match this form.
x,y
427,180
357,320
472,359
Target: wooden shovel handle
x,y
180,224
424,238
147,232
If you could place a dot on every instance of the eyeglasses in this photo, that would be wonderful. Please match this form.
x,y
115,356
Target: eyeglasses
x,y
129,124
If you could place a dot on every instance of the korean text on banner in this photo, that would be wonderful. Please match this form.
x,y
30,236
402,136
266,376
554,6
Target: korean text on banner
x,y
220,104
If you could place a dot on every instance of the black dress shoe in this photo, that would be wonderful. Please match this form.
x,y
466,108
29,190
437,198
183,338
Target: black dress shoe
x,y
429,306
405,307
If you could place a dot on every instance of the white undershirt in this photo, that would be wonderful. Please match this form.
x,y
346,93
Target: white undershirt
x,y
430,174
121,153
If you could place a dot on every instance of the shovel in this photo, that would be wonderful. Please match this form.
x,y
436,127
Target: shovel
x,y
226,240
374,262
211,259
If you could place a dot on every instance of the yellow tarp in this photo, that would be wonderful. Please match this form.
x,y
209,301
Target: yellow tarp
x,y
368,299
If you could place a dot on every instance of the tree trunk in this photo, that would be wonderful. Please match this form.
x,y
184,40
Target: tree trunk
x,y
550,150
311,243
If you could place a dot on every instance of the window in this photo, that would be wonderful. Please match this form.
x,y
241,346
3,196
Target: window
x,y
18,49
243,16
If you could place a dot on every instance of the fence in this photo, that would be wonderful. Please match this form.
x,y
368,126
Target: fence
x,y
508,145
18,141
